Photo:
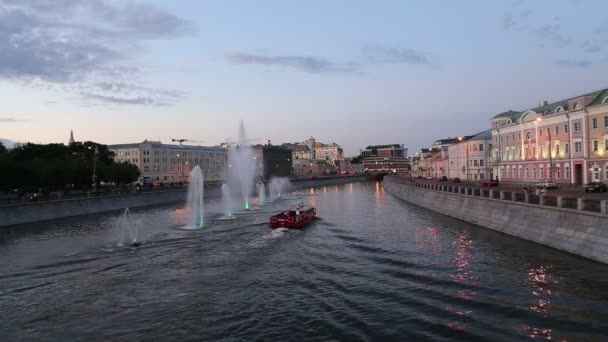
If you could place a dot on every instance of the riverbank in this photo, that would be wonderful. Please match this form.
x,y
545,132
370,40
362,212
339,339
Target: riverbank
x,y
576,228
21,213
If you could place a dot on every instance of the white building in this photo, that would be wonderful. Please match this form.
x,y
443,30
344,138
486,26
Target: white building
x,y
470,158
165,163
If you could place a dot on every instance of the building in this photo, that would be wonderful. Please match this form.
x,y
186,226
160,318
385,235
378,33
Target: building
x,y
470,157
563,142
273,161
385,158
158,162
311,149
307,168
330,153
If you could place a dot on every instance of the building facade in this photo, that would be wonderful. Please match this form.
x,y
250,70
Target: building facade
x,y
273,161
470,158
385,158
158,162
563,142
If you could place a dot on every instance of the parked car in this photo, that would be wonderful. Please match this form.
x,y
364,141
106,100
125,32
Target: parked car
x,y
443,179
455,180
545,184
490,182
596,187
428,177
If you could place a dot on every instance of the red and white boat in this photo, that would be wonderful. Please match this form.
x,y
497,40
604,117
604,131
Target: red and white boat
x,y
295,218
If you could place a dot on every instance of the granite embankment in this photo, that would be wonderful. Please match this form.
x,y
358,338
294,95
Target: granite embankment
x,y
550,222
21,213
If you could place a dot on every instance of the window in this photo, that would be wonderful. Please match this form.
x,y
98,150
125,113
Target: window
x,y
548,131
606,173
534,172
558,173
596,173
605,121
606,147
576,106
481,147
595,145
475,162
542,171
567,148
529,135
594,123
556,129
557,150
577,126
565,128
578,147
527,172
540,151
520,172
567,171
481,162
481,176
540,132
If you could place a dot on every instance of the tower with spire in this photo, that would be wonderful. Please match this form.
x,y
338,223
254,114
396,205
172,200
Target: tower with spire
x,y
71,137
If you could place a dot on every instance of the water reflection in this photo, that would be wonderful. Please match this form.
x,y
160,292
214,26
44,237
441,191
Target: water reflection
x,y
542,282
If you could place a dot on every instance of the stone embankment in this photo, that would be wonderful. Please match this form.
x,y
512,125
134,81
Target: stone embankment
x,y
575,225
21,213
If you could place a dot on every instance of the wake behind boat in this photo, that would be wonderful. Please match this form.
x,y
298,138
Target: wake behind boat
x,y
295,218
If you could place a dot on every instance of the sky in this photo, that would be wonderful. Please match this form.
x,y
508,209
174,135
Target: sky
x,y
346,71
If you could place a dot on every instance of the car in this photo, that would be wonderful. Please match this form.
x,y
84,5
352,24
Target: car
x,y
490,182
428,177
596,187
455,180
419,177
443,179
545,184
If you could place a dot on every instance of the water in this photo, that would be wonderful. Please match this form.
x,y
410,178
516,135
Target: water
x,y
130,230
371,268
227,200
278,186
242,167
261,193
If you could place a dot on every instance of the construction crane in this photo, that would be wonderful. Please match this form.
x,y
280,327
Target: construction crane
x,y
230,142
181,141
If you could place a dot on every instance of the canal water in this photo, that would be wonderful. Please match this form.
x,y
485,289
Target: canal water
x,y
371,268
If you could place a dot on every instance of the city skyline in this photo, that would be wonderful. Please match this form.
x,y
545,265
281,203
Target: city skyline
x,y
361,74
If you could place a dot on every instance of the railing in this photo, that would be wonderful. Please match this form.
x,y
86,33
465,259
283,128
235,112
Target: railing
x,y
560,202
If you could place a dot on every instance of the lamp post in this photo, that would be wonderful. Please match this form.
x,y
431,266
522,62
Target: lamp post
x,y
550,152
94,168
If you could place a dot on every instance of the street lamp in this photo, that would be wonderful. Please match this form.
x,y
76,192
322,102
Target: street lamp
x,y
539,119
94,168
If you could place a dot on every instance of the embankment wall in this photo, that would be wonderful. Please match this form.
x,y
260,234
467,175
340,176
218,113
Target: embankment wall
x,y
570,230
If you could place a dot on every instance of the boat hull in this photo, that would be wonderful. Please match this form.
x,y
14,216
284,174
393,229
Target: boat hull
x,y
293,219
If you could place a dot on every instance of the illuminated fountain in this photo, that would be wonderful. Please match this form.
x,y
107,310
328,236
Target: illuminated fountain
x,y
242,168
227,202
278,186
261,193
130,230
195,199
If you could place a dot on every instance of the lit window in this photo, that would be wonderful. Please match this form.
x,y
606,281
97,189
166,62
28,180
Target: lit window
x,y
596,145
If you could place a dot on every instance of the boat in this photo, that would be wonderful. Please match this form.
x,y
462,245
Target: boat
x,y
294,218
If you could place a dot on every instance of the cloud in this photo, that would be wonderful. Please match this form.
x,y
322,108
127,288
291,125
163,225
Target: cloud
x,y
509,19
573,63
71,42
379,54
10,120
141,100
310,64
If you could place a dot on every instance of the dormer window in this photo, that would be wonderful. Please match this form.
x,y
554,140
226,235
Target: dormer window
x,y
559,109
576,106
605,100
529,135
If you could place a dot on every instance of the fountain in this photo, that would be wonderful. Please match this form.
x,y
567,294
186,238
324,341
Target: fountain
x,y
228,209
278,186
131,227
261,193
242,167
195,198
